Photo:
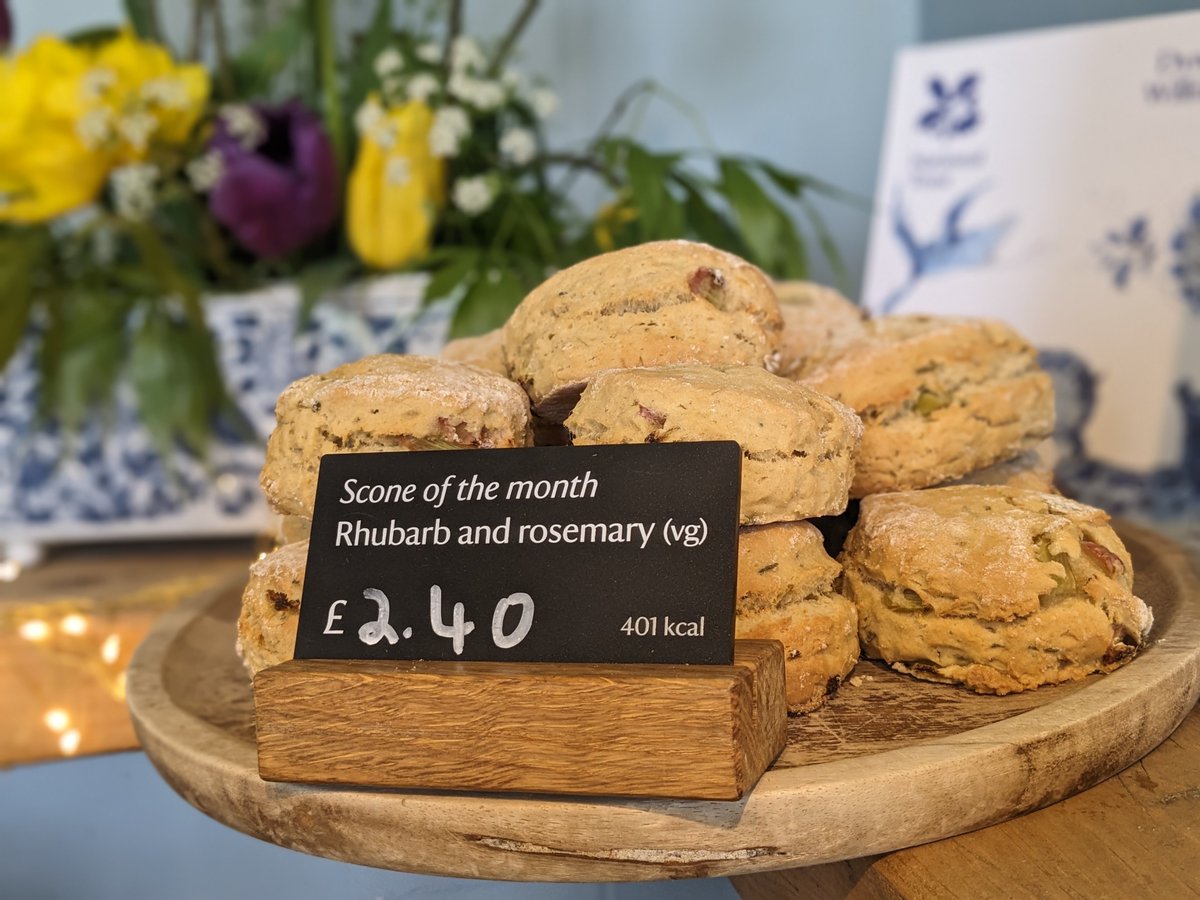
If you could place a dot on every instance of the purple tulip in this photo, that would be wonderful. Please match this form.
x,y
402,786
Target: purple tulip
x,y
278,190
5,26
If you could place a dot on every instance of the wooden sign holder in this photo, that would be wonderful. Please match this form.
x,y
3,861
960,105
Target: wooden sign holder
x,y
702,732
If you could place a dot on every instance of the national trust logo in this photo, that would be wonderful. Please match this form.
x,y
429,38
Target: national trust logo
x,y
955,108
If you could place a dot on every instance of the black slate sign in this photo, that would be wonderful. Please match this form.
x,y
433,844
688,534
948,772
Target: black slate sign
x,y
552,554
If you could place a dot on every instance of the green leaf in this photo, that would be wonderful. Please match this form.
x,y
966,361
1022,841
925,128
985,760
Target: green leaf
x,y
93,37
660,215
769,232
152,371
487,304
827,244
319,279
705,222
143,16
447,280
21,254
266,55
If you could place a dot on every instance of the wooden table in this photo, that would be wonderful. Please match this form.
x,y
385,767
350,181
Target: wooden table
x,y
1135,835
68,629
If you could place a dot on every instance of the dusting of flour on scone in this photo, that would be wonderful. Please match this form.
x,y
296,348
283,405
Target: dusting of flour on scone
x,y
787,591
386,402
817,322
939,397
997,588
655,304
797,445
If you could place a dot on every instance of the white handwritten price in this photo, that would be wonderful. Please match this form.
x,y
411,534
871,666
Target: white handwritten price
x,y
457,629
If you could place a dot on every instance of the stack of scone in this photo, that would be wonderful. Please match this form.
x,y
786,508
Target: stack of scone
x,y
991,582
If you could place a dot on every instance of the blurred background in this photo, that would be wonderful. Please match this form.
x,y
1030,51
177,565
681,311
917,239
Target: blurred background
x,y
799,86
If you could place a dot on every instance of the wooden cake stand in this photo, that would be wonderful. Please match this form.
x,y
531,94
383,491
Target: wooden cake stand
x,y
889,763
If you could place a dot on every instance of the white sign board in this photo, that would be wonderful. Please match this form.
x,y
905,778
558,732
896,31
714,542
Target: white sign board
x,y
1052,179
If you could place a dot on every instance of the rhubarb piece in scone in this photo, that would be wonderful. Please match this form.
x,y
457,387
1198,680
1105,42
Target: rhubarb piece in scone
x,y
656,304
266,627
939,397
996,588
817,322
484,350
798,446
386,402
787,591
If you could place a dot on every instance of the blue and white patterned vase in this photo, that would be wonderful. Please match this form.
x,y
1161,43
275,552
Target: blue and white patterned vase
x,y
108,483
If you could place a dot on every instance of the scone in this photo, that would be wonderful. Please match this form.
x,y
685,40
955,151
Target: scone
x,y
386,402
817,322
657,304
797,445
939,397
266,627
1025,471
484,350
787,591
997,588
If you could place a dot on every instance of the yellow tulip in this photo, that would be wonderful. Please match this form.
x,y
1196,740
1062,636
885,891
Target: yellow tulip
x,y
69,115
396,185
611,218
46,169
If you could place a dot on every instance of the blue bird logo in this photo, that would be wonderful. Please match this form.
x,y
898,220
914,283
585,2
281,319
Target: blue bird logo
x,y
957,247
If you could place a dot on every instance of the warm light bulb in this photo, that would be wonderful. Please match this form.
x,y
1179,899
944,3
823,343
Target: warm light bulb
x,y
111,648
262,555
57,720
74,624
34,630
121,686
10,570
68,742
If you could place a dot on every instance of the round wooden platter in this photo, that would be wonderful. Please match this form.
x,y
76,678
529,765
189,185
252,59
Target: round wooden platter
x,y
889,763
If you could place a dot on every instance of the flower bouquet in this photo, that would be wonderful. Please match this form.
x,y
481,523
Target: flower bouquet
x,y
140,181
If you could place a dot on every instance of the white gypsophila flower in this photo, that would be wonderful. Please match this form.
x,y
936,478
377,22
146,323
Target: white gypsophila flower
x,y
95,127
483,95
518,145
95,82
169,93
422,86
397,171
205,171
430,52
450,126
465,53
372,123
474,195
512,80
243,124
136,128
133,190
388,62
544,102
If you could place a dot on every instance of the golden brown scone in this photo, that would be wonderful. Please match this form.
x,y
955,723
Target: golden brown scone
x,y
997,588
939,397
266,627
787,591
386,402
1027,471
797,445
656,304
484,350
817,322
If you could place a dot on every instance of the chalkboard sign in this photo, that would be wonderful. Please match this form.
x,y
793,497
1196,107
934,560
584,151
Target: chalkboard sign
x,y
551,554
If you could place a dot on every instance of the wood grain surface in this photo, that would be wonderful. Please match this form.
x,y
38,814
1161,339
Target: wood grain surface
x,y
703,732
1136,834
889,763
